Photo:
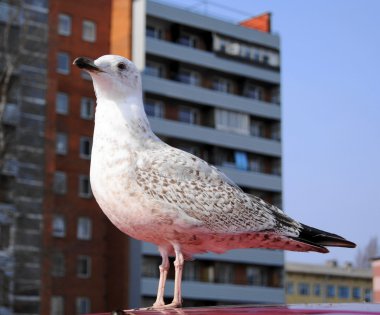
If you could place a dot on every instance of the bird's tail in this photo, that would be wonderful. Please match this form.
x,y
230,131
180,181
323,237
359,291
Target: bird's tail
x,y
319,238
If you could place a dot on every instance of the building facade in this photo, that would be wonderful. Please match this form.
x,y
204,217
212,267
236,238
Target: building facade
x,y
376,279
212,88
329,283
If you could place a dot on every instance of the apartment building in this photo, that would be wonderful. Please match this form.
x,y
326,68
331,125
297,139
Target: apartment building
x,y
329,283
212,88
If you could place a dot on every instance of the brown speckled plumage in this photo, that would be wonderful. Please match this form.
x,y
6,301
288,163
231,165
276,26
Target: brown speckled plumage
x,y
157,193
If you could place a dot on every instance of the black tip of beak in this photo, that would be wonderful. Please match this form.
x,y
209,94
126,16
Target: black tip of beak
x,y
86,63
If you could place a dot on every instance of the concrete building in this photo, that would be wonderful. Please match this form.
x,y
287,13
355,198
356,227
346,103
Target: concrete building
x,y
212,88
23,53
376,279
329,283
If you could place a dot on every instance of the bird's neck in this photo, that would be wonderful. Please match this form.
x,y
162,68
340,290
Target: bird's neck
x,y
125,120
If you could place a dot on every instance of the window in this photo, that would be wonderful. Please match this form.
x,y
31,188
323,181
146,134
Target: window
x,y
150,267
60,183
62,103
85,75
59,226
241,160
330,291
188,115
254,275
224,273
356,293
84,187
11,114
63,63
189,77
61,143
4,236
222,85
57,305
255,92
153,32
275,131
87,108
84,228
85,147
154,69
190,149
276,166
154,108
58,265
367,295
84,266
257,128
188,40
303,288
289,288
275,95
89,31
343,292
317,289
64,24
231,121
83,305
190,271
256,164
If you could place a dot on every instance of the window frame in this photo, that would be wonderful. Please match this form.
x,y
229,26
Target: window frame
x,y
61,143
89,26
62,108
66,69
88,266
58,231
81,193
87,104
64,30
87,234
83,142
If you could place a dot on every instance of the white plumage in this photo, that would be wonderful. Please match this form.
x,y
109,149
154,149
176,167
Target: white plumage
x,y
157,193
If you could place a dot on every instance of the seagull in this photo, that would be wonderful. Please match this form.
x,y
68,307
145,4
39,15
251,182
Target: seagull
x,y
157,193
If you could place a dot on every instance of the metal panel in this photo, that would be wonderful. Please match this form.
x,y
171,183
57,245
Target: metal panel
x,y
204,22
208,60
208,97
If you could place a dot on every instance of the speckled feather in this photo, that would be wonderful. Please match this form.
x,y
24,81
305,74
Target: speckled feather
x,y
157,193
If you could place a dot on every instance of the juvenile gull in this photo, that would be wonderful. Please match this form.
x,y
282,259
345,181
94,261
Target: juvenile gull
x,y
160,194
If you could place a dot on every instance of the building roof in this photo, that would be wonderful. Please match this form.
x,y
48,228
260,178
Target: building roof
x,y
328,270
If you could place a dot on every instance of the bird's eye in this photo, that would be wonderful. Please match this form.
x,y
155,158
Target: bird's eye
x,y
121,66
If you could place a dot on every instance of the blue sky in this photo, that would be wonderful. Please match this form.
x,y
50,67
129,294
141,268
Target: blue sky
x,y
331,113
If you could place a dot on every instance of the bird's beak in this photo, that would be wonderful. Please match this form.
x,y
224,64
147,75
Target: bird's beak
x,y
86,64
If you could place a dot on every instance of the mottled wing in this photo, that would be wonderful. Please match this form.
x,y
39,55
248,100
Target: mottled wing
x,y
186,183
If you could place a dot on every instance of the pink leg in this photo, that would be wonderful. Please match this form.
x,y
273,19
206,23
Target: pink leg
x,y
178,264
164,268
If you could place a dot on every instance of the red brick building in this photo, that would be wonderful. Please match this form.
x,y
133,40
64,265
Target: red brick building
x,y
376,279
76,260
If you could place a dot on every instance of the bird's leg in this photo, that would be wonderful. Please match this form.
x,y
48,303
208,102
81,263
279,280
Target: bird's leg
x,y
178,264
164,268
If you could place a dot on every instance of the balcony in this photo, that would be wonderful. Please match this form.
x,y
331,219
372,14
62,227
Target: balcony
x,y
208,60
196,94
198,21
249,256
212,136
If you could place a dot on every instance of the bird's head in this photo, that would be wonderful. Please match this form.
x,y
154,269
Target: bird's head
x,y
114,77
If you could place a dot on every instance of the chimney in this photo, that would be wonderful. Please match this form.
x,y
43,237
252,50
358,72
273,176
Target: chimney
x,y
260,23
